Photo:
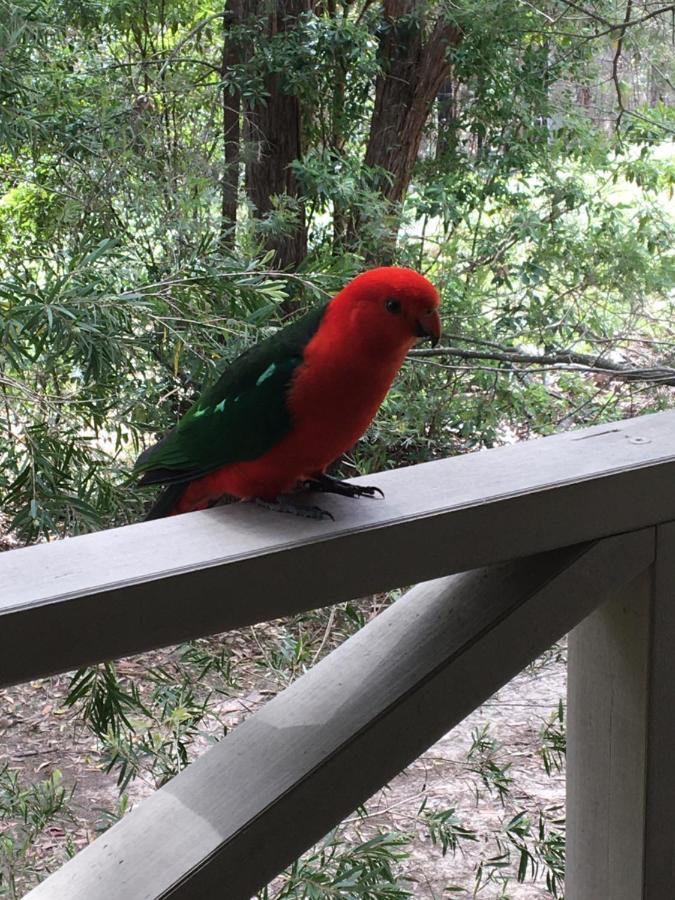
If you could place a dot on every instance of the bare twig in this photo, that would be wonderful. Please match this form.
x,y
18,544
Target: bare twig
x,y
588,12
326,635
583,362
651,15
617,26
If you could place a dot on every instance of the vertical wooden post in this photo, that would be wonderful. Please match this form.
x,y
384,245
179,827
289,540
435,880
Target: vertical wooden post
x,y
607,697
621,741
659,855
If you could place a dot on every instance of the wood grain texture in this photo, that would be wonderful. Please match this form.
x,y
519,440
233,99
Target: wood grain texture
x,y
621,735
283,778
606,718
105,595
659,816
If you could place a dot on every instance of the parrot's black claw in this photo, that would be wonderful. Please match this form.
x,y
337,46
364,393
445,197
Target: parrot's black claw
x,y
330,485
284,505
367,490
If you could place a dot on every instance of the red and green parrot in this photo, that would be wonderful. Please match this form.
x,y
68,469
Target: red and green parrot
x,y
294,403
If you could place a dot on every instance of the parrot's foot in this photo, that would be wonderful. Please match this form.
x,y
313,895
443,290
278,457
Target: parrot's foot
x,y
330,485
285,505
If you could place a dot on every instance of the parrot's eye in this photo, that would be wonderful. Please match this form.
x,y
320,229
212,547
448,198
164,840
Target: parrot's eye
x,y
393,305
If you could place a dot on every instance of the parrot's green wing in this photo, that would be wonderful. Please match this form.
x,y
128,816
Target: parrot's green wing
x,y
242,416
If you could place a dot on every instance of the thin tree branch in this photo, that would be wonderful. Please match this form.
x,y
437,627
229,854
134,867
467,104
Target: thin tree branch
x,y
652,15
564,359
588,12
617,26
188,37
615,63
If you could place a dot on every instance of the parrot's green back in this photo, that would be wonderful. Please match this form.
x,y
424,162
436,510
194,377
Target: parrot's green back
x,y
240,417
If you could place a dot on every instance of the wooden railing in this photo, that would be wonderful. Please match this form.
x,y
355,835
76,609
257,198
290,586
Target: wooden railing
x,y
575,528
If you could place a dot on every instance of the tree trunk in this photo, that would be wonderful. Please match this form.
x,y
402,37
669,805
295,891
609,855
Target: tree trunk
x,y
447,113
273,128
412,72
232,55
337,142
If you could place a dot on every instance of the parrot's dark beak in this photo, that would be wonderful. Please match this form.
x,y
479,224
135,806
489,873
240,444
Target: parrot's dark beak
x,y
429,325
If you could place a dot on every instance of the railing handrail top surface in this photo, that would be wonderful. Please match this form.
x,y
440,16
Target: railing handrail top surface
x,y
241,531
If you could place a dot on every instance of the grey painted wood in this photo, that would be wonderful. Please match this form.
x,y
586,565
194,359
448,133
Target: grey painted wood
x,y
283,778
659,855
105,595
621,741
606,718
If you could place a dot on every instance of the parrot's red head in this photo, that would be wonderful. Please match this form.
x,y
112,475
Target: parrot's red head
x,y
393,306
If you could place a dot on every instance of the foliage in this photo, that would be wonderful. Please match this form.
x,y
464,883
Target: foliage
x,y
534,850
26,811
152,732
336,869
554,740
446,829
117,295
484,763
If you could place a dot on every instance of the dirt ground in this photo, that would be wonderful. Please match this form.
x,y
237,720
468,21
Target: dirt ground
x,y
38,734
515,716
